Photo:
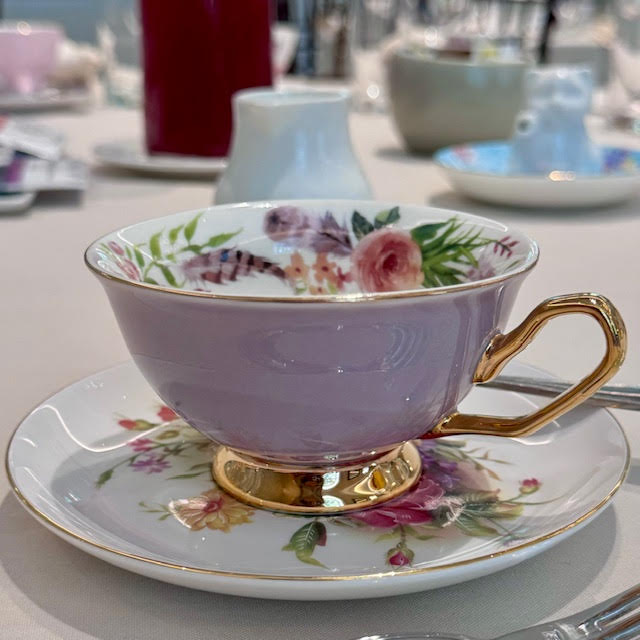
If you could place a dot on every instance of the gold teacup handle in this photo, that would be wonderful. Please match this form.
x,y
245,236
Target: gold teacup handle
x,y
504,346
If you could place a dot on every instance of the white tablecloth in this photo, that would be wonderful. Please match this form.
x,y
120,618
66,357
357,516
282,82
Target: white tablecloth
x,y
57,327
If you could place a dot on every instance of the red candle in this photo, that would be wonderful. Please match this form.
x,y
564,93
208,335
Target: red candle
x,y
197,54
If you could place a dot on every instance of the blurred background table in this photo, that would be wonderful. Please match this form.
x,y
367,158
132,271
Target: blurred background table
x,y
57,327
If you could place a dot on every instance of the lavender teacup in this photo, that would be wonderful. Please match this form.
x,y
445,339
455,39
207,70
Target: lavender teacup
x,y
314,340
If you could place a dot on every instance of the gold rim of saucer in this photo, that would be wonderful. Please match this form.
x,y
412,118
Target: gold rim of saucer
x,y
317,491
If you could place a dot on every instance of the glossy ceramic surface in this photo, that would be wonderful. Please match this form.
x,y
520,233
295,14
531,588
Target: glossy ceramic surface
x,y
46,99
550,133
481,171
129,154
291,144
28,54
322,379
442,101
11,203
106,466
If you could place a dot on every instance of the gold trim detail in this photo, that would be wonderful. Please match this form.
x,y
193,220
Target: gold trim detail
x,y
64,532
503,347
317,491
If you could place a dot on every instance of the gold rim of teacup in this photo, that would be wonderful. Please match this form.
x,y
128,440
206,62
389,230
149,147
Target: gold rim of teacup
x,y
530,261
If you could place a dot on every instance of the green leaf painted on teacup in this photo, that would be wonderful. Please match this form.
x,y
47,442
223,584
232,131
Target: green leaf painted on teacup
x,y
426,231
173,233
168,276
303,542
104,477
149,280
360,225
194,248
128,252
386,217
154,246
190,228
221,238
446,247
139,257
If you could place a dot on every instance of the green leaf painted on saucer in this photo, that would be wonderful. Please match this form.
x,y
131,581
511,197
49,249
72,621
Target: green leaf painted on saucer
x,y
303,542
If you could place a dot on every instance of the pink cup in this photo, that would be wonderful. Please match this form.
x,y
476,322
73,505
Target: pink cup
x,y
28,55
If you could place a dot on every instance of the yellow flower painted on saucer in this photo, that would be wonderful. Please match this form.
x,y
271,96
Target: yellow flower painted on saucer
x,y
212,509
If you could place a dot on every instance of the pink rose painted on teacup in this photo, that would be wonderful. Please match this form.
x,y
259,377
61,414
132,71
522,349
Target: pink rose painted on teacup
x,y
387,260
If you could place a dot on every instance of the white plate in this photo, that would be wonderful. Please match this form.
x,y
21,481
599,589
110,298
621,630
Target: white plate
x,y
479,171
16,202
46,99
129,154
98,464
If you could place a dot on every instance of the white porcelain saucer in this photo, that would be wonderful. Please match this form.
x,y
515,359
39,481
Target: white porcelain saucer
x,y
480,171
16,202
106,467
46,99
130,155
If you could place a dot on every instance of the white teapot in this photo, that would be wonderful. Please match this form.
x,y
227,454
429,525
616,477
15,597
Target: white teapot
x,y
291,144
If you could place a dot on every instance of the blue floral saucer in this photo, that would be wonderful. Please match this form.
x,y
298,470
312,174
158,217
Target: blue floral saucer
x,y
481,171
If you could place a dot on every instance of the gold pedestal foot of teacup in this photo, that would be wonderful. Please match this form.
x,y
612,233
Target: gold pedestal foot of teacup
x,y
316,490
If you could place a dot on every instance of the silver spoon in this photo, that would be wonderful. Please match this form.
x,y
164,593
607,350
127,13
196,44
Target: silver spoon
x,y
615,619
614,396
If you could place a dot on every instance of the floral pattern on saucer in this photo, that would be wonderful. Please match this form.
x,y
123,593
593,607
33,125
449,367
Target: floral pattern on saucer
x,y
454,496
315,254
493,158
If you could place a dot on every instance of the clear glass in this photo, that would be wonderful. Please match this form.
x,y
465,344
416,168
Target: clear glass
x,y
118,35
376,25
625,50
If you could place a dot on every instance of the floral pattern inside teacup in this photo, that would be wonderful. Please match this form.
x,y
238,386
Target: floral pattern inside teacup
x,y
300,251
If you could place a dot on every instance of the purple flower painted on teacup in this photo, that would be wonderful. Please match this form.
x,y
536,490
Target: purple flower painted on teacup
x,y
504,246
331,237
287,224
292,226
484,268
227,265
415,507
115,247
141,444
129,269
150,464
